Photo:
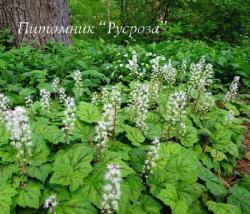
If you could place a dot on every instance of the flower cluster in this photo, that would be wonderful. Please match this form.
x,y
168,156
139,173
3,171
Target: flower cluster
x,y
59,90
155,64
56,84
62,95
139,103
102,135
4,104
69,115
94,98
78,80
207,102
112,189
176,110
20,132
154,90
107,126
169,73
45,100
133,65
233,90
152,157
50,203
201,75
105,95
230,116
29,101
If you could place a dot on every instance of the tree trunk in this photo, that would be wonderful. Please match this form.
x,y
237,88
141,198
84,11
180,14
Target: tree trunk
x,y
123,12
38,13
108,10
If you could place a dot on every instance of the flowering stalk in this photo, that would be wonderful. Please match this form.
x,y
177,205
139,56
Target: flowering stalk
x,y
29,101
230,117
78,80
112,189
45,100
58,90
154,91
56,85
152,157
201,76
62,95
169,73
20,135
51,204
4,105
206,104
94,98
69,116
102,136
176,111
106,128
139,104
233,90
156,67
133,65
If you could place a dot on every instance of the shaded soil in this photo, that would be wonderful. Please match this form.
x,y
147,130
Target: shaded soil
x,y
244,165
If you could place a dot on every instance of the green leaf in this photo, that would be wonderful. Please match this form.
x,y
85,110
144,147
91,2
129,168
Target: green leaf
x,y
134,135
84,131
190,137
76,205
115,157
137,157
26,92
71,166
6,172
7,154
213,183
207,160
4,134
179,163
88,112
240,197
93,185
154,130
245,181
221,139
221,208
29,196
189,193
175,164
216,154
134,184
136,209
54,135
121,148
131,189
150,205
40,172
40,153
170,197
6,195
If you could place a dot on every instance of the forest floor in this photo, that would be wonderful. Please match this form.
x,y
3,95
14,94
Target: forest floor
x,y
244,165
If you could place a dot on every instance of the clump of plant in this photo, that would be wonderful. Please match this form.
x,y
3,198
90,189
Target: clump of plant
x,y
166,140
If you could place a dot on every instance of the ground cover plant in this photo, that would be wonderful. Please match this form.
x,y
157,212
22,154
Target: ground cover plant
x,y
124,130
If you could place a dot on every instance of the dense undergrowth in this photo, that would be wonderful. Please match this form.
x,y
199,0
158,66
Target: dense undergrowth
x,y
27,66
143,129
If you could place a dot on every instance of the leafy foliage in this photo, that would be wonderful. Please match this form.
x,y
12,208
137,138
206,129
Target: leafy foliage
x,y
189,170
